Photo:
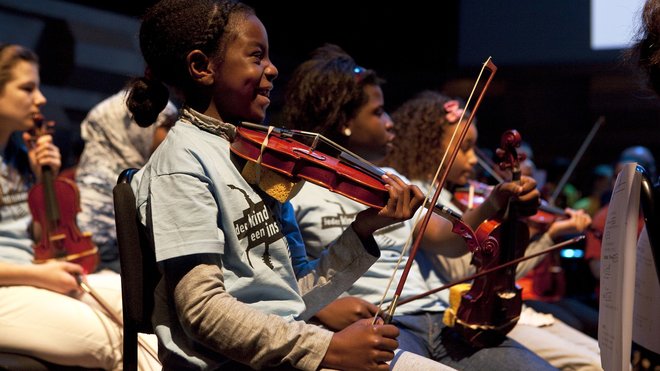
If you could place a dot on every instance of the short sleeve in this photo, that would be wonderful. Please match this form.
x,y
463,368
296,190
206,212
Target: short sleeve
x,y
184,216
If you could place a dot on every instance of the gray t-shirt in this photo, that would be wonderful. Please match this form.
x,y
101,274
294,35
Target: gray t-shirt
x,y
194,201
323,215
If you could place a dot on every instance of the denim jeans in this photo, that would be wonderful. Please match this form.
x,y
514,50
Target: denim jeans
x,y
425,334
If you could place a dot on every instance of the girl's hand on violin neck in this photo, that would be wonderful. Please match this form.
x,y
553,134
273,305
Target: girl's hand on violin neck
x,y
58,276
577,222
345,311
362,346
42,152
404,200
523,192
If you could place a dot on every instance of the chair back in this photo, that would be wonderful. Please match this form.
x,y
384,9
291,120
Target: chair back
x,y
139,270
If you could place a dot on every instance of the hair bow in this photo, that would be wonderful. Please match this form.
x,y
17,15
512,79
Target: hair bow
x,y
452,111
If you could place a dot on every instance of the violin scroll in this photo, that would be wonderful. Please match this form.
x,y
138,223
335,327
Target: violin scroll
x,y
511,159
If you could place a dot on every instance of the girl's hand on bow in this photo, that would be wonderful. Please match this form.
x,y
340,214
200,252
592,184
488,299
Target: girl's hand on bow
x,y
362,346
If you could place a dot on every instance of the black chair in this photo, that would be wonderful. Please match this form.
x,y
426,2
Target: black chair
x,y
139,271
21,362
13,361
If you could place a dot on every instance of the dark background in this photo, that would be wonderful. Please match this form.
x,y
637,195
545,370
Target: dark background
x,y
550,86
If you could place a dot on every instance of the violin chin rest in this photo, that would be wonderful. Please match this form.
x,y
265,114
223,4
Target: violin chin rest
x,y
273,184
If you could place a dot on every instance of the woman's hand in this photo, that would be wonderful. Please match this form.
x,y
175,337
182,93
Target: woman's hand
x,y
402,204
58,276
42,152
345,311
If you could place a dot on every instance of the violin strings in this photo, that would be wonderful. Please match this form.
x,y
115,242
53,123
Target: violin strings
x,y
331,143
431,189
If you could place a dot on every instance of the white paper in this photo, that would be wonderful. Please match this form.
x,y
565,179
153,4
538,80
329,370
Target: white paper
x,y
617,272
646,315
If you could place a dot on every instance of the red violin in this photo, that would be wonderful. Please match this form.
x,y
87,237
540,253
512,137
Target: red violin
x,y
490,308
54,204
342,171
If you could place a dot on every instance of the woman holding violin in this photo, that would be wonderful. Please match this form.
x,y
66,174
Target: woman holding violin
x,y
43,311
432,113
330,94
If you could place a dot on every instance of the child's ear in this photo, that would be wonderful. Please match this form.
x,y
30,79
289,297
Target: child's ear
x,y
199,67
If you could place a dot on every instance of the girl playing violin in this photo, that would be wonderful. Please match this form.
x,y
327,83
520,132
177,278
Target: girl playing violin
x,y
329,93
236,285
436,115
43,299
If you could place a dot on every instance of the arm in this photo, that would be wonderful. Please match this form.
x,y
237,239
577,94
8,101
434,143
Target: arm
x,y
54,276
439,239
448,252
208,314
577,222
337,269
345,311
342,264
338,266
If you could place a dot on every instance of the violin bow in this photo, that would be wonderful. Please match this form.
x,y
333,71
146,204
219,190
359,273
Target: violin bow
x,y
113,316
493,269
389,313
576,159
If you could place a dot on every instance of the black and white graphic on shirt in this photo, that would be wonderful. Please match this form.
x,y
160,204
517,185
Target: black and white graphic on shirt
x,y
258,226
341,220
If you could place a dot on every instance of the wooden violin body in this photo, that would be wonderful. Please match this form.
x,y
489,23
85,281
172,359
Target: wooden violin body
x,y
490,308
492,305
54,204
343,173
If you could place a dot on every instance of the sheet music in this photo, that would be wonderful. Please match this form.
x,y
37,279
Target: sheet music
x,y
617,271
646,315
